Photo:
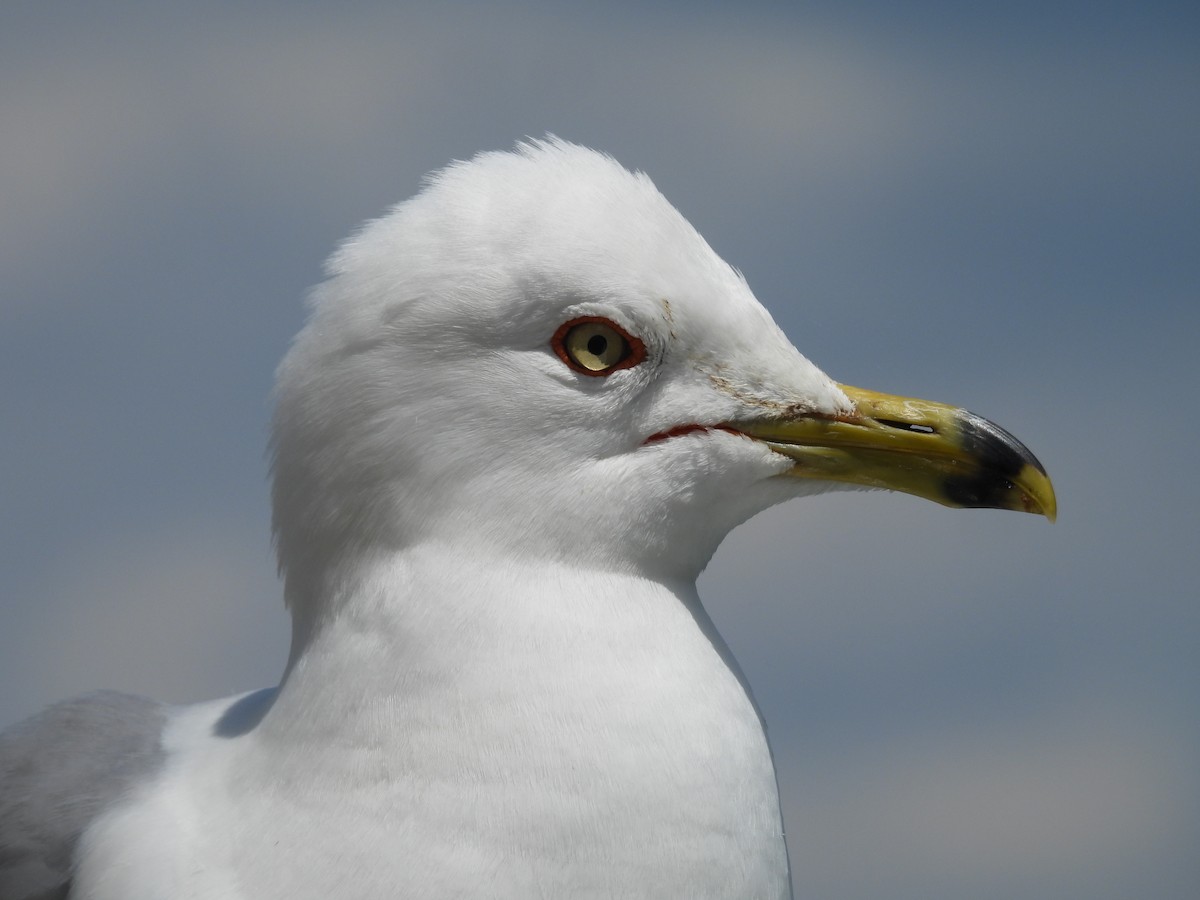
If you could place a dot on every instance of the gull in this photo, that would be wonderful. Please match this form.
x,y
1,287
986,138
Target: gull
x,y
527,406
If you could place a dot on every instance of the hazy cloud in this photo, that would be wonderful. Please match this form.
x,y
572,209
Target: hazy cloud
x,y
994,207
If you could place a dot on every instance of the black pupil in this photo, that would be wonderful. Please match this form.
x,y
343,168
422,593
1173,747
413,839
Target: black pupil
x,y
597,344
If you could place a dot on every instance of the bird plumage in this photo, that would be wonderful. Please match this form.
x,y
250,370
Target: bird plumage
x,y
502,682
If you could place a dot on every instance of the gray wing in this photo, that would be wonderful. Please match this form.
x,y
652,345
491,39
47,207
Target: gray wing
x,y
58,771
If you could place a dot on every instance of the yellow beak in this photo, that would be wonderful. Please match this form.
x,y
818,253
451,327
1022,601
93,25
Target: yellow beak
x,y
931,450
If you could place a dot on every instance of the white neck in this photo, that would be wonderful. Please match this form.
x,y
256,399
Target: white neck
x,y
581,722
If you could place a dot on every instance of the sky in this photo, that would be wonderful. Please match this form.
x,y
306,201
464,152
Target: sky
x,y
996,206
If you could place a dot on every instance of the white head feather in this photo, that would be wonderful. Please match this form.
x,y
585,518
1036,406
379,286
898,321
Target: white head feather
x,y
423,402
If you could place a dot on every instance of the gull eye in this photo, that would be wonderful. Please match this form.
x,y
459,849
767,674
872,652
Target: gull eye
x,y
595,346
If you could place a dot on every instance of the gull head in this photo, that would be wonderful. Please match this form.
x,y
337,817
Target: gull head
x,y
538,356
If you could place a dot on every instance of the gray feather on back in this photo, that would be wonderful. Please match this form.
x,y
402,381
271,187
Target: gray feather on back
x,y
60,769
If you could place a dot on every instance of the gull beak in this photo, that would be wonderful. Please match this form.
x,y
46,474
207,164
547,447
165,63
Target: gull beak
x,y
927,449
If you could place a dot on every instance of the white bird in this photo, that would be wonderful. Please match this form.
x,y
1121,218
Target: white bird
x,y
528,405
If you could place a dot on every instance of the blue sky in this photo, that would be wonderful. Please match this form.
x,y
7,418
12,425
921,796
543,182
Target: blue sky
x,y
992,206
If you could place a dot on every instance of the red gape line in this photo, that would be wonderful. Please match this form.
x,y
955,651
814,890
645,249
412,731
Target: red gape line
x,y
680,430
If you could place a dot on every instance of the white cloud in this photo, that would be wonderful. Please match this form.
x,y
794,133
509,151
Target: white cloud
x,y
866,579
186,612
310,102
1081,799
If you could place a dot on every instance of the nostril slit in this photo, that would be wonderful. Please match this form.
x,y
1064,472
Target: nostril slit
x,y
907,426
